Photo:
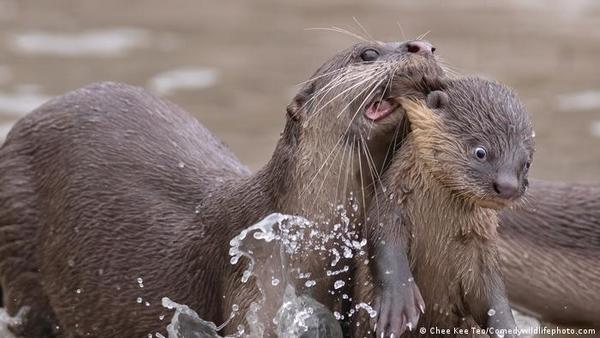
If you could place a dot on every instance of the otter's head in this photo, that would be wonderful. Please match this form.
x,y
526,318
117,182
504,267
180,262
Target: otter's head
x,y
354,89
477,140
345,113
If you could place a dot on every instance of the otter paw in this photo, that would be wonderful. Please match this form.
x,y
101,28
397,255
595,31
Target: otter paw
x,y
398,308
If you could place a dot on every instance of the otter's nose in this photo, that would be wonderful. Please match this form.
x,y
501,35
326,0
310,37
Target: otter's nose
x,y
507,186
420,47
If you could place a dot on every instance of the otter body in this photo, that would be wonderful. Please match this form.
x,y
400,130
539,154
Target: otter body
x,y
111,199
550,250
103,192
467,155
451,248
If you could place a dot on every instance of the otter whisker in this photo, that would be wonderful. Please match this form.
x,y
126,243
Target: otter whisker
x,y
338,70
450,69
339,30
338,148
362,183
333,84
373,86
345,91
322,166
362,103
422,36
363,28
375,177
341,167
322,76
320,95
383,92
335,147
401,30
391,146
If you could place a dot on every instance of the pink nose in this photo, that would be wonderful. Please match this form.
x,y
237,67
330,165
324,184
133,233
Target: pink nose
x,y
420,47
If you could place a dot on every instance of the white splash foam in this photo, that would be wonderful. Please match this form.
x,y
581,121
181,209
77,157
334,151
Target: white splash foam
x,y
187,78
585,100
6,320
99,43
21,102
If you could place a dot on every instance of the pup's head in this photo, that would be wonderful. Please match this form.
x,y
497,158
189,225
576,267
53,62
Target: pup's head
x,y
476,138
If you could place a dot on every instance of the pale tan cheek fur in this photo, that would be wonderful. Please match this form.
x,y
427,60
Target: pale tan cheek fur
x,y
426,127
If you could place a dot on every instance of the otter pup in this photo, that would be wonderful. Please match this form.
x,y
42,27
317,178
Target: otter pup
x,y
468,153
111,198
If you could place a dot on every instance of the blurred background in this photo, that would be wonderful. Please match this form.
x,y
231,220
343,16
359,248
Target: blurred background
x,y
235,64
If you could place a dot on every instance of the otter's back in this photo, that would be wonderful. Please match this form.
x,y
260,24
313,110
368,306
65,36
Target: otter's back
x,y
109,159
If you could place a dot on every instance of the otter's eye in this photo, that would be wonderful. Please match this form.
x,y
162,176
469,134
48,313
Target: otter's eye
x,y
369,55
480,153
527,165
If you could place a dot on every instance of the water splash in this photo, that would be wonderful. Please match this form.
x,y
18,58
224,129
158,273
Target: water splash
x,y
302,316
7,321
271,249
187,324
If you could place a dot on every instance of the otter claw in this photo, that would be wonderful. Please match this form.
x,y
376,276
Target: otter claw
x,y
399,310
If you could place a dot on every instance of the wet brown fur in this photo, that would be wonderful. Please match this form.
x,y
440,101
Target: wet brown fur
x,y
108,184
431,205
550,250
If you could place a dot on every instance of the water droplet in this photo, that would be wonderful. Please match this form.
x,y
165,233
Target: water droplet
x,y
337,315
338,284
78,291
180,165
274,281
71,262
372,313
139,300
161,317
310,283
147,303
235,308
491,312
246,275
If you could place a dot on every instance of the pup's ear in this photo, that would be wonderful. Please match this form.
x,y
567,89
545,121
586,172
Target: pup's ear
x,y
298,107
437,99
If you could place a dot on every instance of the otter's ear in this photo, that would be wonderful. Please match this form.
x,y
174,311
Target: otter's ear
x,y
297,108
437,99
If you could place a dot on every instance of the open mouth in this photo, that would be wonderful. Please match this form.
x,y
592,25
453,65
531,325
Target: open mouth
x,y
380,109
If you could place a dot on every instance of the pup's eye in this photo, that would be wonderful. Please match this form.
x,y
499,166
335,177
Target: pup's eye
x,y
480,153
369,55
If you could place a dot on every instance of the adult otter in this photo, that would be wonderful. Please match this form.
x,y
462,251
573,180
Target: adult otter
x,y
550,249
466,157
108,188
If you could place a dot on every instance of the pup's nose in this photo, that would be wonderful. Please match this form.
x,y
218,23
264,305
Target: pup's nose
x,y
507,186
420,47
